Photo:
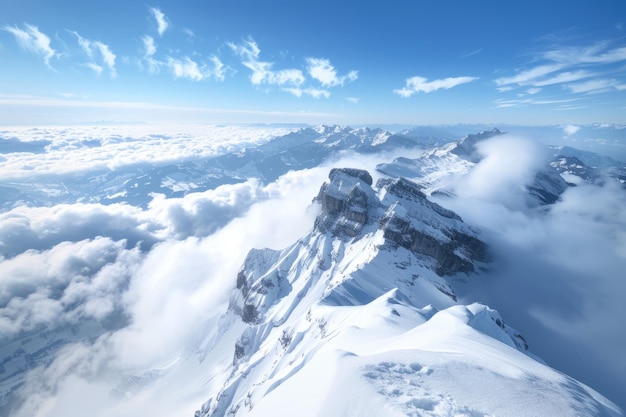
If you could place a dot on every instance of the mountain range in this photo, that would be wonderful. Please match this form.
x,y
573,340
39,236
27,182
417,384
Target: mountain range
x,y
362,314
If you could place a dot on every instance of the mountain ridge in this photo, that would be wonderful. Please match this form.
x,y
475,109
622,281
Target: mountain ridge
x,y
346,304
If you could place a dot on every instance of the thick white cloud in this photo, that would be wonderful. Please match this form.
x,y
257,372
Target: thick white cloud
x,y
33,40
71,263
67,284
570,129
508,164
557,274
419,84
170,295
41,228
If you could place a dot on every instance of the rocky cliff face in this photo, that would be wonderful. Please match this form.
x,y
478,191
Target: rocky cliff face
x,y
394,213
399,209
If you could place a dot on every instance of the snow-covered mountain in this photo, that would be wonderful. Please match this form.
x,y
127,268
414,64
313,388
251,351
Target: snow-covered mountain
x,y
357,318
577,165
438,170
135,183
369,313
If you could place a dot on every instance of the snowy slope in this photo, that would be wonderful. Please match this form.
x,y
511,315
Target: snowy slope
x,y
352,320
576,165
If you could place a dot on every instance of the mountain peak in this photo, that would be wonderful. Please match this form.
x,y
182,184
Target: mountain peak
x,y
401,211
466,146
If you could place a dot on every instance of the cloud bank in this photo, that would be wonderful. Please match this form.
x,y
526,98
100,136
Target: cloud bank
x,y
557,271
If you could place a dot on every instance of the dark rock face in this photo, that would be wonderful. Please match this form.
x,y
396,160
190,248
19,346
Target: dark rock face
x,y
361,174
410,233
466,147
345,202
406,217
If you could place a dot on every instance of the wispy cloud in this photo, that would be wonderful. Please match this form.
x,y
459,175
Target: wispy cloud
x,y
187,68
183,67
596,86
263,72
322,70
530,101
95,49
353,100
33,40
150,48
566,65
530,75
161,20
564,77
474,52
594,54
313,92
419,84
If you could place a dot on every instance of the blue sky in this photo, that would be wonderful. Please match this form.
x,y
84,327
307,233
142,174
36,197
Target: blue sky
x,y
419,62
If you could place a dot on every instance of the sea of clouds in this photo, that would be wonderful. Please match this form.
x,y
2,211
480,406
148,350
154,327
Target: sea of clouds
x,y
145,283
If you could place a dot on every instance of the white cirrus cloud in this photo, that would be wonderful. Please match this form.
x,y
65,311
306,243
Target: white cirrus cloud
x,y
32,39
263,72
593,54
596,86
419,84
149,46
323,71
567,65
161,20
96,50
188,68
564,77
520,102
529,75
313,92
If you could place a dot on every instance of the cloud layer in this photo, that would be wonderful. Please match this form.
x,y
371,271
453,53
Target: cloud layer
x,y
132,291
557,271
